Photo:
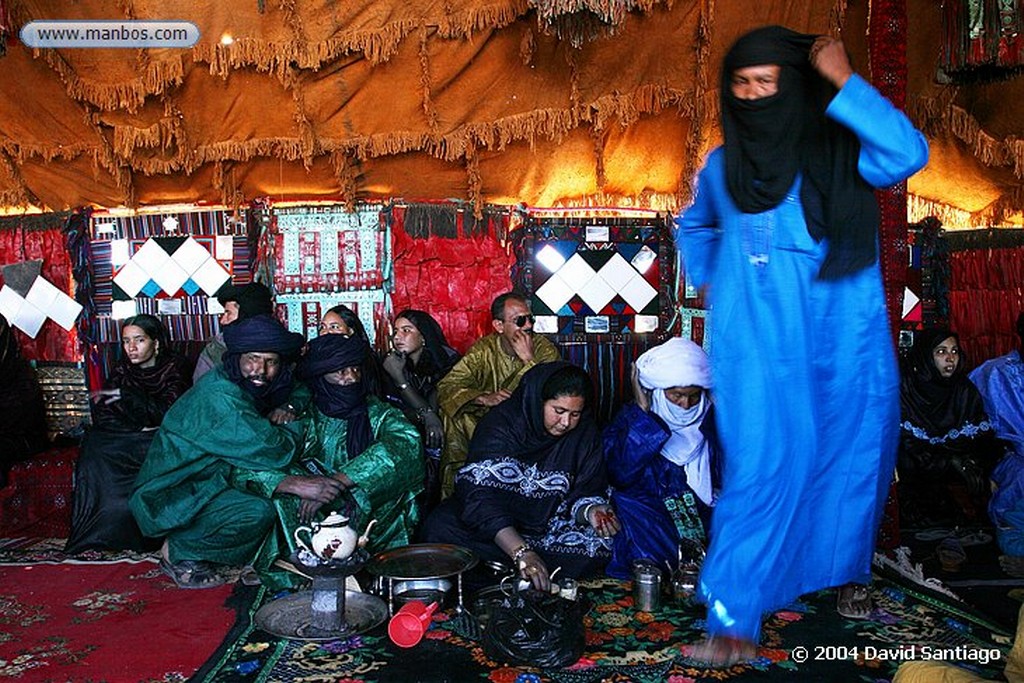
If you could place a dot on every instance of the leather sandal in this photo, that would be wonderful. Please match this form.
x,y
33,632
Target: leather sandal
x,y
191,573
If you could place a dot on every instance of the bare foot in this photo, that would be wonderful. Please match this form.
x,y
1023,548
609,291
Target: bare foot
x,y
854,601
720,652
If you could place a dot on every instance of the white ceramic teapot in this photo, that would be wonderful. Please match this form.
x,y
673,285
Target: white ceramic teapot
x,y
333,538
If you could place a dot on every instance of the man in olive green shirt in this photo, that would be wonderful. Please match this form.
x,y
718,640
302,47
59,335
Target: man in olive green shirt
x,y
486,376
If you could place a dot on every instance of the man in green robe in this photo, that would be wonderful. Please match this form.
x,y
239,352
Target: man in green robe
x,y
486,376
364,444
183,492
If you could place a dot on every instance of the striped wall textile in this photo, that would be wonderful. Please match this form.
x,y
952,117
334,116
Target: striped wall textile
x,y
169,264
602,283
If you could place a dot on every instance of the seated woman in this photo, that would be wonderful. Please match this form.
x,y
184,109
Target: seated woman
x,y
22,408
947,445
342,320
354,439
533,486
419,358
141,388
662,456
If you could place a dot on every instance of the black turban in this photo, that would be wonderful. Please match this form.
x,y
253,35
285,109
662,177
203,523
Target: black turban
x,y
768,141
331,353
252,299
262,334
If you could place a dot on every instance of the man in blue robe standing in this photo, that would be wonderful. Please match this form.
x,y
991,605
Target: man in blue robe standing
x,y
783,232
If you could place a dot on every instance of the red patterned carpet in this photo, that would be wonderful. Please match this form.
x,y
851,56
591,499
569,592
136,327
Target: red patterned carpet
x,y
113,622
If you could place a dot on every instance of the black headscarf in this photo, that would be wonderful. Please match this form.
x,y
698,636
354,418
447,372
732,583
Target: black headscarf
x,y
253,299
930,401
262,334
770,140
515,427
330,353
437,357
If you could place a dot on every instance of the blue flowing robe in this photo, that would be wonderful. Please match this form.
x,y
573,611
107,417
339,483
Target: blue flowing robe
x,y
806,386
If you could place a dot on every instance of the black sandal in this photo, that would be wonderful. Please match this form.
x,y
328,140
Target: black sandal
x,y
192,574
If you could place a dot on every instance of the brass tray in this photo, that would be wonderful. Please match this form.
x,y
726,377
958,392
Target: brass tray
x,y
422,561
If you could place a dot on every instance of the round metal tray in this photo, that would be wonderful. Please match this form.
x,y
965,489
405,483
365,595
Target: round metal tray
x,y
422,561
289,617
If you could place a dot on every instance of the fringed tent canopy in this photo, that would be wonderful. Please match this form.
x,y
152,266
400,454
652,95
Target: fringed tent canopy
x,y
501,101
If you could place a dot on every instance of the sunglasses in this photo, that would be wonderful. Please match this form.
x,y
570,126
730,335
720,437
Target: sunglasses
x,y
521,320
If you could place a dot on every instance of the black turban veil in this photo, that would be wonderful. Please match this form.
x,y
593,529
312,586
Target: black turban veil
x,y
262,334
768,141
331,353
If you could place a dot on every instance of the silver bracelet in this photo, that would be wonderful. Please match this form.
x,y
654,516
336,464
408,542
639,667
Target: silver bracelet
x,y
519,552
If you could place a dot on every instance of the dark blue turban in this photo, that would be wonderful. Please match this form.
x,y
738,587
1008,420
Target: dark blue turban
x,y
262,334
330,353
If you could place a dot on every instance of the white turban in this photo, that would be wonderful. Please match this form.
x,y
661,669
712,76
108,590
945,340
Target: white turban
x,y
680,363
676,363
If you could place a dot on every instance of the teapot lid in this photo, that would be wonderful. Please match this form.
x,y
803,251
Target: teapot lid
x,y
334,519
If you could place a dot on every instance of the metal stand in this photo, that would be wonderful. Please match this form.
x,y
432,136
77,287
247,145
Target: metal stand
x,y
328,611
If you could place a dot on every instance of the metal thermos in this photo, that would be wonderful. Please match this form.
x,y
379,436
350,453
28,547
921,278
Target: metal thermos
x,y
646,587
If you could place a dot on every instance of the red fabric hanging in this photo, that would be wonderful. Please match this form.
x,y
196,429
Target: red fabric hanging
x,y
454,280
985,298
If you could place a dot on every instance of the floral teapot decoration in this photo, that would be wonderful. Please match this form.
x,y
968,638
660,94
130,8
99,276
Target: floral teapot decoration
x,y
333,539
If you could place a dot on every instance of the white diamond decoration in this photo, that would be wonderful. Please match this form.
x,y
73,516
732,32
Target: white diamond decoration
x,y
132,278
550,258
150,257
638,293
57,305
596,294
170,277
190,255
555,293
210,276
617,272
576,272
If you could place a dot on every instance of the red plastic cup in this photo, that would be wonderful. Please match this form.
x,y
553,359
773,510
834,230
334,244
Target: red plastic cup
x,y
409,624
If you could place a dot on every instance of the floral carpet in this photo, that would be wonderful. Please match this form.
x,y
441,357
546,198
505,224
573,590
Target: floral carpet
x,y
807,641
102,617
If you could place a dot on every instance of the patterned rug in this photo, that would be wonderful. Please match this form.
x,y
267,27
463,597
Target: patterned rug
x,y
102,617
807,641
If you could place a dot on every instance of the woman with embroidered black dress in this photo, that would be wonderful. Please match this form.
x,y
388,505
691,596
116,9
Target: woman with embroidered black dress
x,y
419,358
148,378
534,488
947,444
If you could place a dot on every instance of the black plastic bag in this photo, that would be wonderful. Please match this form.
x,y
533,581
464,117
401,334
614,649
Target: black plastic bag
x,y
536,629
